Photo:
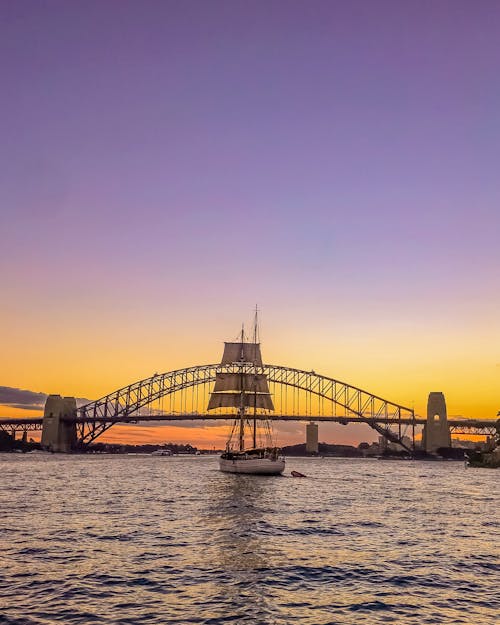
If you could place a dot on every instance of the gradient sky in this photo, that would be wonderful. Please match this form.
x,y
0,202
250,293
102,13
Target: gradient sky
x,y
164,166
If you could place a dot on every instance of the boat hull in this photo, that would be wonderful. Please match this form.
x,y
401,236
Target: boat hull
x,y
252,466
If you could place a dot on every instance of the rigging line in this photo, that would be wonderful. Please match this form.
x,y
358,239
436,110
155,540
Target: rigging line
x,y
233,430
298,400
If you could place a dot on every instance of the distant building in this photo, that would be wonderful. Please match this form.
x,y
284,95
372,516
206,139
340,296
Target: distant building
x,y
312,438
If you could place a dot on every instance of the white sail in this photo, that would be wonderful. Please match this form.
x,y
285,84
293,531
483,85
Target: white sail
x,y
242,352
249,382
240,400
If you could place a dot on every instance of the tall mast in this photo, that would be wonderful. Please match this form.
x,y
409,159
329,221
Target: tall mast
x,y
242,397
241,384
255,389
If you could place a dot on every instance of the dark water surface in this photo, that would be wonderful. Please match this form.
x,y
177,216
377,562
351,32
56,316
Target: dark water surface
x,y
141,539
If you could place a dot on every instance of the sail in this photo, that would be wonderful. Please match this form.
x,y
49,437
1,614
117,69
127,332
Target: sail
x,y
243,388
249,382
235,400
242,352
237,390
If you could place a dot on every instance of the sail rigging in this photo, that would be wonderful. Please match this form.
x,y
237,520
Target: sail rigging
x,y
245,390
242,386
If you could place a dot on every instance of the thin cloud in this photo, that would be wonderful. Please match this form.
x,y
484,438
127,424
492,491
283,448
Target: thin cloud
x,y
37,407
27,400
178,424
21,398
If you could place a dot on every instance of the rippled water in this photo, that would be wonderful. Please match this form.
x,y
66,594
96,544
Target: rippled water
x,y
137,539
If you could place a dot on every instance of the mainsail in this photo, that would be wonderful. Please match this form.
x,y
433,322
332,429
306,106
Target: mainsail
x,y
237,390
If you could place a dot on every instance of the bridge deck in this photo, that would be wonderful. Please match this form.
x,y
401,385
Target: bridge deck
x,y
469,423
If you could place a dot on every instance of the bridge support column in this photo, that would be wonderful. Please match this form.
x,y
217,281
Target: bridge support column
x,y
436,431
58,435
312,438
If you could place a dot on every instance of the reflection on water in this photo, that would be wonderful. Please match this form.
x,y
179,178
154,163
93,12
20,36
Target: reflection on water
x,y
235,547
136,539
233,514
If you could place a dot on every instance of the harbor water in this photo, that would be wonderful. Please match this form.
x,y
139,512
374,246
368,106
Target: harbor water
x,y
147,540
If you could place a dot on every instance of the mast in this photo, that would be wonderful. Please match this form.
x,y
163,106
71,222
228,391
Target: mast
x,y
242,396
255,388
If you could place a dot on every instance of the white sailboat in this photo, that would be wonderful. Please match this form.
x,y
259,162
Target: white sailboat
x,y
245,388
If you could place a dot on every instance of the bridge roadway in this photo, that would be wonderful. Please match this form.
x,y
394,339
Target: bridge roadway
x,y
458,426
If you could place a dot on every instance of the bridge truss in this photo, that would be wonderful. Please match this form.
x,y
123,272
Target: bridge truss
x,y
298,395
183,394
474,428
13,426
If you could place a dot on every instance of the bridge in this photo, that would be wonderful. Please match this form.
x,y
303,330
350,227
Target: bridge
x,y
298,395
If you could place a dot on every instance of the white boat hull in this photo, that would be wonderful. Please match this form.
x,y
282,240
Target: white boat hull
x,y
253,466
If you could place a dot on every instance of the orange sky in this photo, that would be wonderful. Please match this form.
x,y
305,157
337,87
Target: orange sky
x,y
401,371
76,356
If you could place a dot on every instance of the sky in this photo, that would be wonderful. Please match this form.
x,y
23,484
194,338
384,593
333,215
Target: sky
x,y
165,166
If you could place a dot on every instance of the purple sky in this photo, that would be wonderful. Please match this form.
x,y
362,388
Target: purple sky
x,y
177,162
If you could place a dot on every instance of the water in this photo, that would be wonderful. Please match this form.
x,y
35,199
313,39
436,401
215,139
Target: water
x,y
137,539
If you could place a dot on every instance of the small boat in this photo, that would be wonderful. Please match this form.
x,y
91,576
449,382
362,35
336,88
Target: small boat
x,y
162,452
242,385
297,474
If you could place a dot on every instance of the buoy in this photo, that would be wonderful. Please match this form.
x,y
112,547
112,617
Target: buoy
x,y
297,474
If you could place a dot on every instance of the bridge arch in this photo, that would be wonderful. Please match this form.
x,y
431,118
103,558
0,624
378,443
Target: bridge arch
x,y
124,404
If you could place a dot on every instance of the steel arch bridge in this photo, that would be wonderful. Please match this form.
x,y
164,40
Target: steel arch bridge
x,y
297,394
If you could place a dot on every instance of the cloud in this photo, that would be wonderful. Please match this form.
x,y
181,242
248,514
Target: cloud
x,y
27,400
287,432
176,424
21,398
81,401
25,406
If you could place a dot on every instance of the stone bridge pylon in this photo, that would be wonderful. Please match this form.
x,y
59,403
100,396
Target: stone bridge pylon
x,y
59,435
436,431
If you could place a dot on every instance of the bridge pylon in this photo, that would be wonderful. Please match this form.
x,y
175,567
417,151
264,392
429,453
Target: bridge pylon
x,y
58,434
436,431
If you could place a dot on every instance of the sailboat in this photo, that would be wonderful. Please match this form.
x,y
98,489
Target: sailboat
x,y
243,386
